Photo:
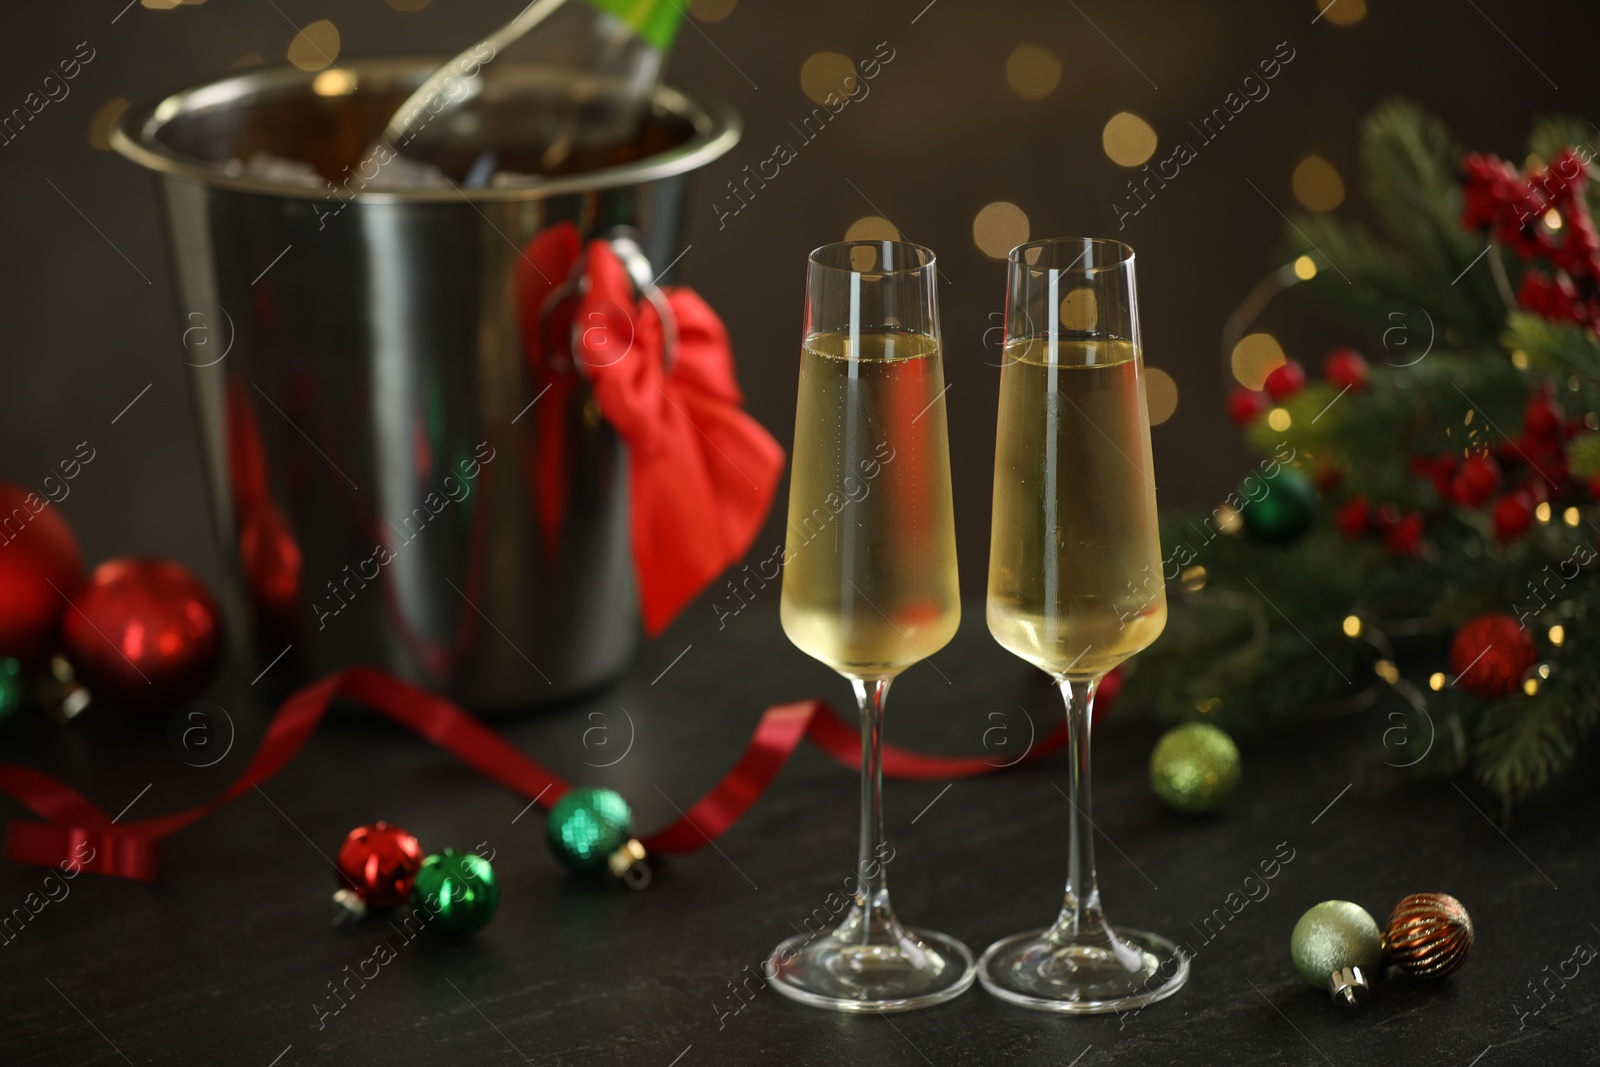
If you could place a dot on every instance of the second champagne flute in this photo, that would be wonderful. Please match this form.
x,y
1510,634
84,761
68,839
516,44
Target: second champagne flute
x,y
1075,578
869,580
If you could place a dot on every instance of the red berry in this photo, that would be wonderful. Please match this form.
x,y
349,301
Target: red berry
x,y
1246,405
1346,368
1543,417
1286,379
1476,481
1404,538
1512,517
1354,516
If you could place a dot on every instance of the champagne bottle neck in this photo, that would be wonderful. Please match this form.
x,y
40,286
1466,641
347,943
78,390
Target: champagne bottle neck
x,y
654,21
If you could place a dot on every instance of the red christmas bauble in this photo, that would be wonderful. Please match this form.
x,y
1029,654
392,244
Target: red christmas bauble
x,y
380,862
1476,481
271,561
40,567
1490,654
1512,517
143,633
1286,379
1346,368
1246,405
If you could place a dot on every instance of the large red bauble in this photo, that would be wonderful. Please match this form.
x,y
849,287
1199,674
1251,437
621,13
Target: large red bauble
x,y
380,862
143,633
1490,654
40,567
271,561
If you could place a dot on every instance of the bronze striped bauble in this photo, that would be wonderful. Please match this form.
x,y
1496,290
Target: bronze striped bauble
x,y
1429,935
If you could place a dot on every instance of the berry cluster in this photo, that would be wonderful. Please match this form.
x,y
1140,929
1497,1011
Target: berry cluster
x,y
1514,209
1344,367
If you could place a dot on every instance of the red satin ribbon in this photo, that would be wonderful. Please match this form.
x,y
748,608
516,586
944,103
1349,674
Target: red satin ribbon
x,y
76,831
701,472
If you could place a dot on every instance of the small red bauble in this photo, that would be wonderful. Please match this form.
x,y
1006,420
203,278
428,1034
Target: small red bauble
x,y
1346,368
1490,654
1476,481
143,633
271,561
379,862
1353,516
40,567
1286,379
1512,517
1246,405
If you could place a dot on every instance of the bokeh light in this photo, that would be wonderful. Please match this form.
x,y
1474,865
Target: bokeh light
x,y
1342,12
827,72
872,228
1032,72
316,46
333,83
1128,139
998,228
1080,310
712,10
1317,185
104,121
1160,395
1279,419
1254,357
1305,268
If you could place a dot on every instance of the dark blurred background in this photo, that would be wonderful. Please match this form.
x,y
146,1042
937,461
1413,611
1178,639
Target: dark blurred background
x,y
999,101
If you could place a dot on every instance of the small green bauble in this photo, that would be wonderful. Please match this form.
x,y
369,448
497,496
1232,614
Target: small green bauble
x,y
1332,936
13,693
458,889
1194,768
587,826
1286,509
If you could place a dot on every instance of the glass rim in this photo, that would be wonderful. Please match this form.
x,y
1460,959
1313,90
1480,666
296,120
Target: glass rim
x,y
1124,254
923,253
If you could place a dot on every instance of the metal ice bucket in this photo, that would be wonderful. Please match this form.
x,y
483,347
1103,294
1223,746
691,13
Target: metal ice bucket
x,y
386,484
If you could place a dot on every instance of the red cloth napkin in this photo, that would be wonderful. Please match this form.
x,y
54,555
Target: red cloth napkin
x,y
702,473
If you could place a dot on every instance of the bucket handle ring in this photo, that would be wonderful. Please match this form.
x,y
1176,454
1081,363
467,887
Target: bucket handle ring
x,y
623,241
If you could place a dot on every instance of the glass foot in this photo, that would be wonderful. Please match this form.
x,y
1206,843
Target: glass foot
x,y
916,969
1093,973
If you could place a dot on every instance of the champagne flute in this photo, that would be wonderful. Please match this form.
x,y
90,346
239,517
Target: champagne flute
x,y
869,581
1075,578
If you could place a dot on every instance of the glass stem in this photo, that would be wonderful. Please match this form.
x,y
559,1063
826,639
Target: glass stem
x,y
1081,918
871,920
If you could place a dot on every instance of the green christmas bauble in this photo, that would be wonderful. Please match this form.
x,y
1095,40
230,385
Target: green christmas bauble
x,y
1332,936
1284,511
13,691
587,827
458,889
1194,768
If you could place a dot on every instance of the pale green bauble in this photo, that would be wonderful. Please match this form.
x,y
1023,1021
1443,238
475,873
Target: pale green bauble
x,y
1331,936
1194,768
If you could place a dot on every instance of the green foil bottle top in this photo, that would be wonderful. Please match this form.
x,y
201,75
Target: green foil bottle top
x,y
655,21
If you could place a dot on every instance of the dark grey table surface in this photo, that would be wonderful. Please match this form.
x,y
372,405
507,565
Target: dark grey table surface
x,y
228,958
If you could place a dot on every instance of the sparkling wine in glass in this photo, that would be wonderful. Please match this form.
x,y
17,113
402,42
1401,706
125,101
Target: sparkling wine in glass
x,y
869,581
1075,578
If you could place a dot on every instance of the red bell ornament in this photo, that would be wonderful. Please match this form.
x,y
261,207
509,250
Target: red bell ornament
x,y
378,864
143,634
